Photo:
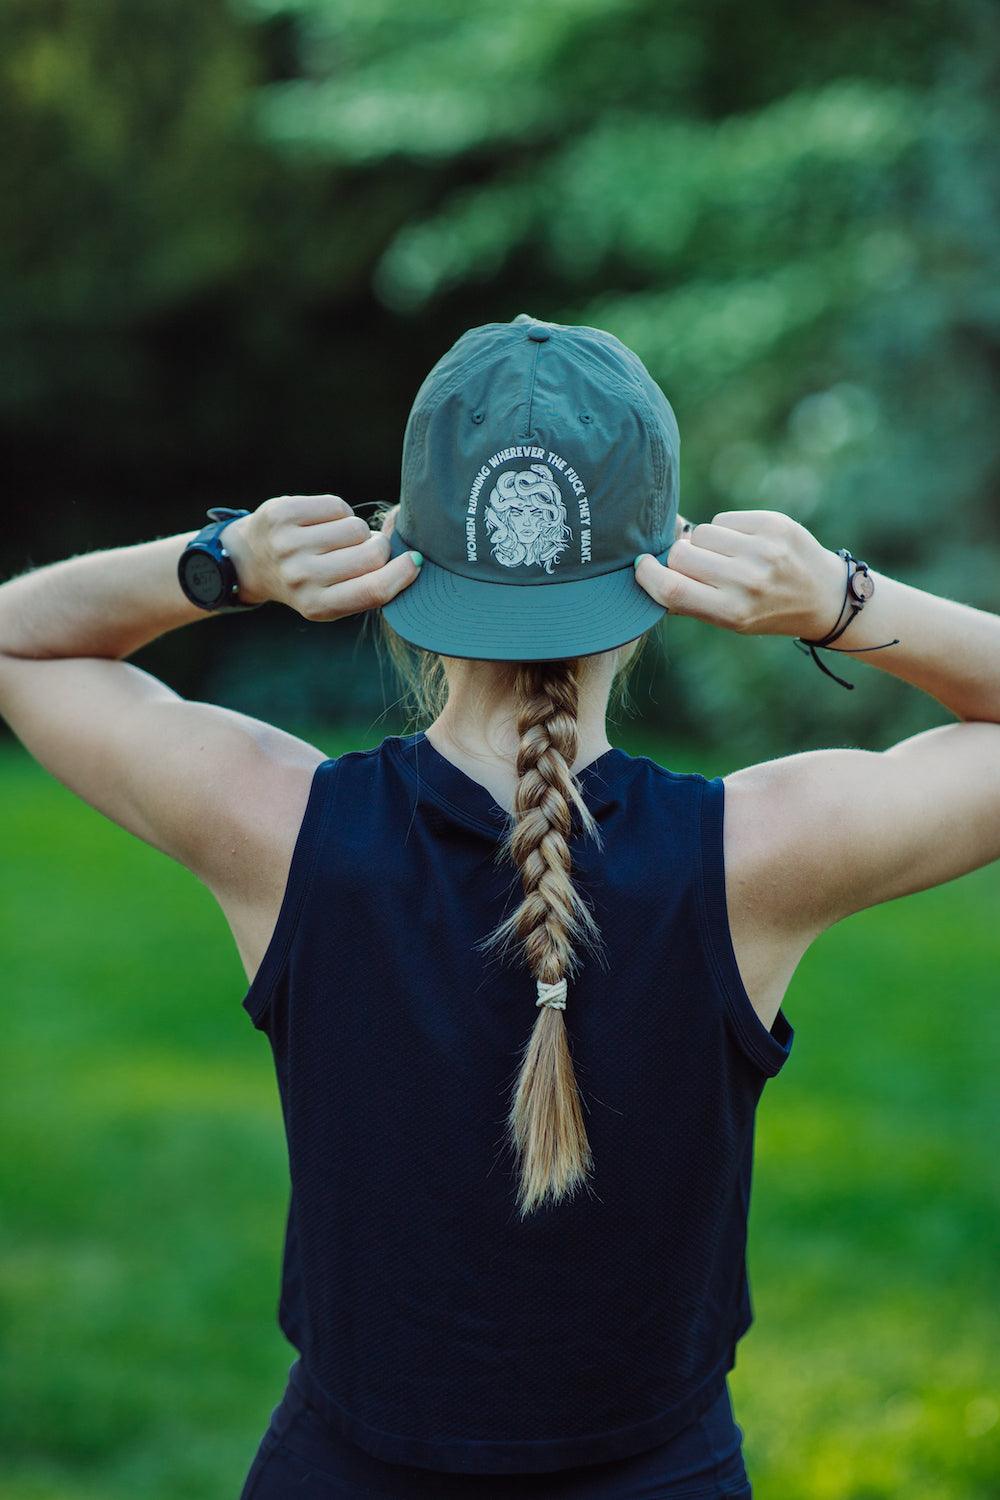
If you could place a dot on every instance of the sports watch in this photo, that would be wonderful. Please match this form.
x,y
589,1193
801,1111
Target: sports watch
x,y
205,570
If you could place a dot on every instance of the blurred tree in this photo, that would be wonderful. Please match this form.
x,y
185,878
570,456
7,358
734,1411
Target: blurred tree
x,y
131,185
792,218
173,297
245,231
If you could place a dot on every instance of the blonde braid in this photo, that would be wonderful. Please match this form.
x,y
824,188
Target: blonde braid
x,y
545,1120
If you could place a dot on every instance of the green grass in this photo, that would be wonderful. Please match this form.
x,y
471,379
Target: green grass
x,y
144,1187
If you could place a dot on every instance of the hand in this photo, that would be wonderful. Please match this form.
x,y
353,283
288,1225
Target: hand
x,y
756,572
314,554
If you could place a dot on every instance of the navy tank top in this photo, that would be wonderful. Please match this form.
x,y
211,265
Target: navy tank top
x,y
435,1328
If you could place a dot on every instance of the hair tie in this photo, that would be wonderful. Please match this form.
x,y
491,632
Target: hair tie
x,y
552,994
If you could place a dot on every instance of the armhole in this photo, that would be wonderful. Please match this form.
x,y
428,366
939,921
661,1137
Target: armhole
x,y
768,1050
307,842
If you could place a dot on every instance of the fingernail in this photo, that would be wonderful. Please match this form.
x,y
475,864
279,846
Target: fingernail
x,y
638,558
418,558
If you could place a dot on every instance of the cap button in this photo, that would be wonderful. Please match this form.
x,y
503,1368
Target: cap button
x,y
539,335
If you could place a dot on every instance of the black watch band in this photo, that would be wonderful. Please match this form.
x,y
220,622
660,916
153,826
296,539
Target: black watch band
x,y
205,570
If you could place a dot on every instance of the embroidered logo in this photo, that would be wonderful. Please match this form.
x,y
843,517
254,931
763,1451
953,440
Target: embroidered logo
x,y
525,515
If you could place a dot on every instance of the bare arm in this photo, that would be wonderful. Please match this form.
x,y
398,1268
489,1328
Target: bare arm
x,y
218,791
812,837
947,649
816,836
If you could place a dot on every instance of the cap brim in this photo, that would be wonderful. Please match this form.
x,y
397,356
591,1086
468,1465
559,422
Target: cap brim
x,y
458,616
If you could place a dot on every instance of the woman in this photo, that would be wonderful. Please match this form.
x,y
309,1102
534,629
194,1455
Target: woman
x,y
523,990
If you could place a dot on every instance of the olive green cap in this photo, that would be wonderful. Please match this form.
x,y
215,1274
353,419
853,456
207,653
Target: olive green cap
x,y
538,460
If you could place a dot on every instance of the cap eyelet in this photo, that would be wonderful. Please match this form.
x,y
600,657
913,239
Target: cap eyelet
x,y
585,416
478,416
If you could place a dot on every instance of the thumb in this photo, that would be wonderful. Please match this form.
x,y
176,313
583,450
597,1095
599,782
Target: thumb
x,y
397,573
662,584
683,595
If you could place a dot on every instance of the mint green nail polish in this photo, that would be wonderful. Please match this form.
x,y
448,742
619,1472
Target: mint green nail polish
x,y
417,557
638,559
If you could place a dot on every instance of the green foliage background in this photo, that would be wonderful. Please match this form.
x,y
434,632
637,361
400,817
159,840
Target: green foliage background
x,y
244,231
238,233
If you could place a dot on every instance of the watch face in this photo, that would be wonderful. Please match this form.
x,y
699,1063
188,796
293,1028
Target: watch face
x,y
862,587
203,578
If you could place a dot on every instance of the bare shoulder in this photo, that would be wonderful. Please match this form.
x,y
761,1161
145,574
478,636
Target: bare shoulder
x,y
269,775
813,837
264,816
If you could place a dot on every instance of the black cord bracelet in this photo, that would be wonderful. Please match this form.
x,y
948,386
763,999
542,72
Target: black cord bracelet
x,y
835,633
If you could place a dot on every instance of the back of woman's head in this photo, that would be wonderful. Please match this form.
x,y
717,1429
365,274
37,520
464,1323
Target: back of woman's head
x,y
539,459
552,921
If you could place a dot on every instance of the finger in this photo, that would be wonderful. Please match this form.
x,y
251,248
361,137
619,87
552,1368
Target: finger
x,y
367,591
700,563
680,594
310,510
753,521
336,565
722,539
329,536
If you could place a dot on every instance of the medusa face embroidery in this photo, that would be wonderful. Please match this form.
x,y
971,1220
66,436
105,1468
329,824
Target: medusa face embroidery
x,y
526,518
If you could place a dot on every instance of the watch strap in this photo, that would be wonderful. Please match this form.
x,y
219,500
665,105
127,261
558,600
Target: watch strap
x,y
209,541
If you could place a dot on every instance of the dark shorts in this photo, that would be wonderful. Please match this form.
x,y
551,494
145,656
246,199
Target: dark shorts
x,y
299,1456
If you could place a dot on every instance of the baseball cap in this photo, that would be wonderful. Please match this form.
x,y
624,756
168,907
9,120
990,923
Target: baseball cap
x,y
538,460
